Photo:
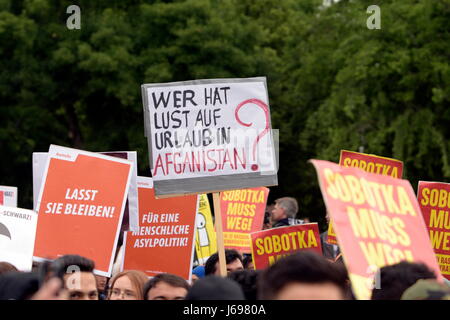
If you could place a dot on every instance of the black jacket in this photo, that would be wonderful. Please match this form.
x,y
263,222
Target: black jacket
x,y
281,223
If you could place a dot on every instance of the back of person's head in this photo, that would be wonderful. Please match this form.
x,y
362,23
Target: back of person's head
x,y
7,267
215,288
290,206
248,261
230,256
71,263
395,279
172,281
18,285
248,280
137,279
305,276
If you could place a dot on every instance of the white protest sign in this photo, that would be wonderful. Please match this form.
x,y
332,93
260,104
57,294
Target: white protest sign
x,y
8,196
17,233
209,135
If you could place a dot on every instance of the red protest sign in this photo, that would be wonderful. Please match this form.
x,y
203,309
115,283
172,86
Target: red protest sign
x,y
1,198
270,245
242,213
372,163
377,220
165,240
81,206
434,200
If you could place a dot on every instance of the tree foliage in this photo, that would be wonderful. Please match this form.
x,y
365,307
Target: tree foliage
x,y
333,83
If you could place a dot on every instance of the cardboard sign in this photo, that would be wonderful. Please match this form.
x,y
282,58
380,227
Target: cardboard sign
x,y
372,163
209,135
81,206
8,196
131,219
242,213
434,200
270,245
331,238
205,235
377,220
17,233
165,240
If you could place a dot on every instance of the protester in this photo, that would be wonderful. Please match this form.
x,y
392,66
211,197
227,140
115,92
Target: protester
x,y
233,261
248,280
395,279
18,285
330,251
303,276
7,267
427,289
248,262
215,288
102,289
267,224
198,273
166,286
127,285
285,208
77,275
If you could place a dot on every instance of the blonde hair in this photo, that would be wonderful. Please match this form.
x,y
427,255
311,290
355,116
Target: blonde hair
x,y
137,278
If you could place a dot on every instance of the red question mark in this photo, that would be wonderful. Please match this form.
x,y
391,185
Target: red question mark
x,y
265,108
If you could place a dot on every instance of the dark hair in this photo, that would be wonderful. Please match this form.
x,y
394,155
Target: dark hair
x,y
248,280
215,288
395,279
302,267
61,266
230,256
247,260
171,279
7,267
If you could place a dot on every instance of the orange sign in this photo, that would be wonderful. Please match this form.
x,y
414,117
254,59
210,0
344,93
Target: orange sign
x,y
81,205
377,220
372,163
165,240
242,213
434,200
270,245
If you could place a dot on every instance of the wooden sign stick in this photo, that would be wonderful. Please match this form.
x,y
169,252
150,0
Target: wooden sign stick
x,y
219,233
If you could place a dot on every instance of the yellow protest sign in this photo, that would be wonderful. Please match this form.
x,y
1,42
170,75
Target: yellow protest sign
x,y
205,235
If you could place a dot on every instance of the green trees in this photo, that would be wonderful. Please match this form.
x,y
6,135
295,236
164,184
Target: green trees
x,y
333,84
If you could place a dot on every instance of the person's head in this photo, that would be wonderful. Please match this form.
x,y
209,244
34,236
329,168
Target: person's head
x,y
233,261
248,263
303,276
427,289
215,288
267,224
127,285
286,207
248,280
198,273
102,282
78,277
7,267
395,279
166,286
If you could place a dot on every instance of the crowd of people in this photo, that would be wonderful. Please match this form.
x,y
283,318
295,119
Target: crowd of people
x,y
304,275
